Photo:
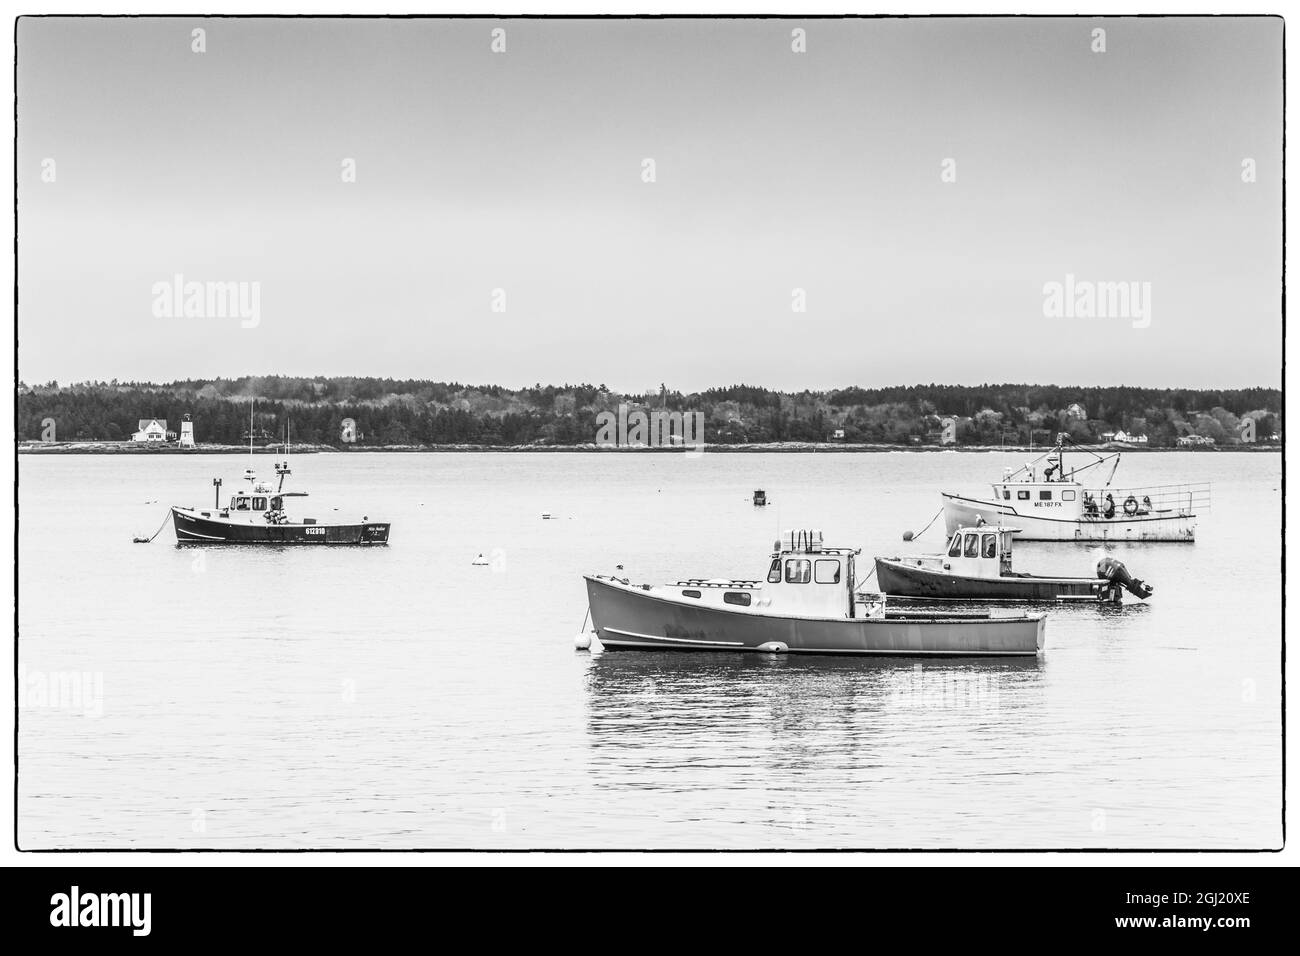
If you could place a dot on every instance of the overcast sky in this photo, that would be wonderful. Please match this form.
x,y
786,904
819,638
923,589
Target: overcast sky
x,y
774,171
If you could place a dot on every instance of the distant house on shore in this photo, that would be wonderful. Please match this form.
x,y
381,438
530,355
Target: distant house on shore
x,y
1192,441
1130,439
151,430
1077,412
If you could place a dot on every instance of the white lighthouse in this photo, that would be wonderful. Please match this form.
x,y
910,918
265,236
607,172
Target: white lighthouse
x,y
187,432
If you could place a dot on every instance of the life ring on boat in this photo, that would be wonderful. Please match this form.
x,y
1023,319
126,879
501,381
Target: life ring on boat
x,y
1130,506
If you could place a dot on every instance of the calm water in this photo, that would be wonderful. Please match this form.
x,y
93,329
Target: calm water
x,y
399,697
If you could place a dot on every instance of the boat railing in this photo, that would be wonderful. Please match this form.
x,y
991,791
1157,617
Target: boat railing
x,y
1188,499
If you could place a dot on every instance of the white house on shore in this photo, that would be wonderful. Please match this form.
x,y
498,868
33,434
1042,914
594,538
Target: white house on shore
x,y
151,429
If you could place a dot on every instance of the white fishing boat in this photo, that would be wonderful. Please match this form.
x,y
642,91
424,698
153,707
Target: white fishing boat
x,y
806,603
1047,501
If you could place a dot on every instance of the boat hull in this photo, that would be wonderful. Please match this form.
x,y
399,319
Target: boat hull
x,y
898,578
627,617
960,512
196,528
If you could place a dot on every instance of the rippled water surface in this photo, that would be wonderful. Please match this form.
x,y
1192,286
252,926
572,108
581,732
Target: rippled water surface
x,y
400,697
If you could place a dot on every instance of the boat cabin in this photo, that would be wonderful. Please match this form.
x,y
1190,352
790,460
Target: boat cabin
x,y
982,552
256,502
260,501
804,579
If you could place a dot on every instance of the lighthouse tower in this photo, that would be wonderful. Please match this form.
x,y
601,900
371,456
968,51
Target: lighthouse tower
x,y
187,432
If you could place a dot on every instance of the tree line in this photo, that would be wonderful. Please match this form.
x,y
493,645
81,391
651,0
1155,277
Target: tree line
x,y
381,411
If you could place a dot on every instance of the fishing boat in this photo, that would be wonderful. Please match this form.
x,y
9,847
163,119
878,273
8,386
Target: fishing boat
x,y
259,514
805,603
977,566
1054,504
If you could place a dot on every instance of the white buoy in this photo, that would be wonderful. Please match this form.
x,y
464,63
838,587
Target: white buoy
x,y
583,641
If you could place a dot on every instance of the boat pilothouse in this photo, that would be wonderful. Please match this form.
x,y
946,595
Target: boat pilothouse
x,y
1048,501
805,602
259,514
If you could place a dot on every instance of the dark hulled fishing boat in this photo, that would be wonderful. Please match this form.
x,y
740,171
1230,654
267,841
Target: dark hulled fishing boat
x,y
977,567
259,514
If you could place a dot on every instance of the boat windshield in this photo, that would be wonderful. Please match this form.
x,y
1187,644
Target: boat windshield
x,y
954,549
990,545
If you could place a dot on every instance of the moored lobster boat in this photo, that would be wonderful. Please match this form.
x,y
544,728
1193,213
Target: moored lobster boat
x,y
258,514
806,603
1053,505
977,566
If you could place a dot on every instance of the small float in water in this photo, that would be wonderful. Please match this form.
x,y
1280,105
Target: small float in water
x,y
760,498
805,604
977,566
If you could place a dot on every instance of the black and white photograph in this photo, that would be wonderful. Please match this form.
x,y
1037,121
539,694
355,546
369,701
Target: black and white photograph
x,y
638,434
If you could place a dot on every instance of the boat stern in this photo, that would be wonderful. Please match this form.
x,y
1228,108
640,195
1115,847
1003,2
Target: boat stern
x,y
375,532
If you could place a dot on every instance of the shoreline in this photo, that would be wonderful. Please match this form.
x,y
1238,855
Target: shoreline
x,y
834,448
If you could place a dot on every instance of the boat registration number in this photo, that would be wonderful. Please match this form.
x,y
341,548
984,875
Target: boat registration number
x,y
314,530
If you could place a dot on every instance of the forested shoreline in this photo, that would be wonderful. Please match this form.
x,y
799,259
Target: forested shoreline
x,y
372,412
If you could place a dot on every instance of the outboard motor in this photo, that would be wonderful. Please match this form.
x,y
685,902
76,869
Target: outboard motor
x,y
1113,570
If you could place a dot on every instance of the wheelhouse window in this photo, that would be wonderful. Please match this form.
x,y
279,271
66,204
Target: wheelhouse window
x,y
774,572
827,572
241,504
259,504
798,570
1006,494
954,549
1044,495
737,597
1067,496
990,545
1022,495
972,546
277,503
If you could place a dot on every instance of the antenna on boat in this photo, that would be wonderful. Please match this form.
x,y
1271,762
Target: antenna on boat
x,y
283,469
251,400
